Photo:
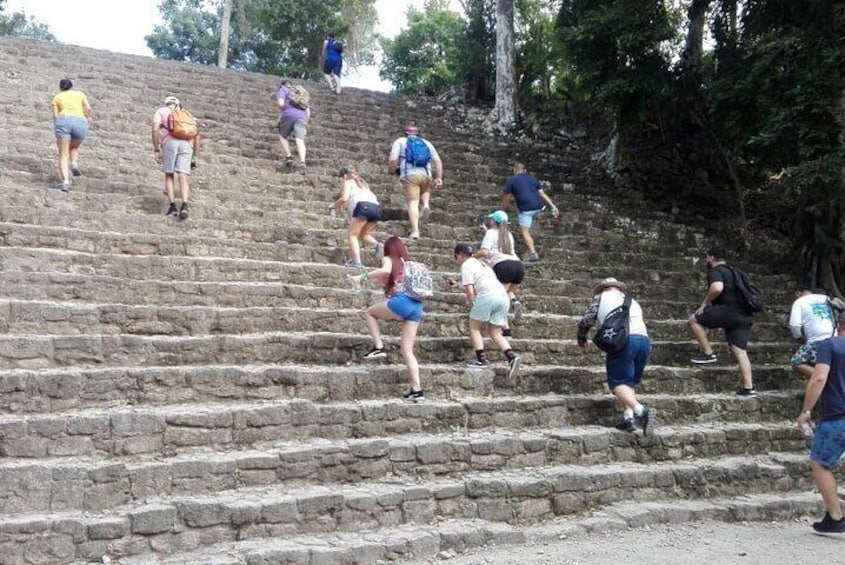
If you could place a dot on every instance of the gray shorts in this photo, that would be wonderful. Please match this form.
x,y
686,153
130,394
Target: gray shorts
x,y
296,126
176,156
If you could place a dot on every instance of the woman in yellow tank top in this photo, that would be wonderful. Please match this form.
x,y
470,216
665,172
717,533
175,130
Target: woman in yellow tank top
x,y
71,112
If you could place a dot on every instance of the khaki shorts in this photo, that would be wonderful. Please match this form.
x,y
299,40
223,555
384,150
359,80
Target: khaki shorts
x,y
416,185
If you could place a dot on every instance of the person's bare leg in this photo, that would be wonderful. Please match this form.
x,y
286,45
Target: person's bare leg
x,y
625,396
373,314
285,146
475,335
497,337
336,83
741,357
300,150
74,151
699,332
329,81
184,187
408,335
529,241
355,228
63,143
414,215
804,370
826,483
169,188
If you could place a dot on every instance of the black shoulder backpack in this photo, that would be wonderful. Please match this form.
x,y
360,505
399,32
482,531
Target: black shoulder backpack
x,y
750,295
612,336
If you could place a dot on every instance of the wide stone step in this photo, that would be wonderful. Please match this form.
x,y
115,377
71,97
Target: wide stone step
x,y
27,351
510,497
35,317
51,390
126,431
450,538
97,484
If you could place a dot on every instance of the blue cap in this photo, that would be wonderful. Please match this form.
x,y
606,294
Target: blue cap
x,y
499,217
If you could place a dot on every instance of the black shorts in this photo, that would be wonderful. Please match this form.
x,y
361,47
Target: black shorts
x,y
737,325
509,272
367,211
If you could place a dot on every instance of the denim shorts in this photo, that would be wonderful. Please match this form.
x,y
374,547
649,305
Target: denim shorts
x,y
491,310
828,443
406,308
526,219
367,211
332,67
627,366
74,127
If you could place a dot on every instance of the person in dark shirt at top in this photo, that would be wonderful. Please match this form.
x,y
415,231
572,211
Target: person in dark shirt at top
x,y
530,200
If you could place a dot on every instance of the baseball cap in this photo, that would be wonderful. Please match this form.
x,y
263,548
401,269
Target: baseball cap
x,y
499,216
171,101
463,248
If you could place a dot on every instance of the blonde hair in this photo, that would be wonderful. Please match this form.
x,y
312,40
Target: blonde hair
x,y
504,242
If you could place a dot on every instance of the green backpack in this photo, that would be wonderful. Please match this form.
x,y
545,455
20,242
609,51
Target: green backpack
x,y
299,97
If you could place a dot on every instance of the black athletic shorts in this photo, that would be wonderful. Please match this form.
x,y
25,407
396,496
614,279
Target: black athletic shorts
x,y
737,325
509,272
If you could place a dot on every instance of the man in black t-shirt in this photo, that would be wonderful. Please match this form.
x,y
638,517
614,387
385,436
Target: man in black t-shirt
x,y
530,200
721,308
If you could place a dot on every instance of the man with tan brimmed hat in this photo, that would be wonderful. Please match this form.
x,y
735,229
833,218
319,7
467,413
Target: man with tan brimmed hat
x,y
625,368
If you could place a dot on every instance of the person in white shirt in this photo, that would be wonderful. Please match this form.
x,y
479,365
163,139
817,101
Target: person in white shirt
x,y
625,368
489,305
497,250
363,213
811,321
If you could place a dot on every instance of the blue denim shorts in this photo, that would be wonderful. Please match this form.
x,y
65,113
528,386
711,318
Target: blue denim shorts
x,y
74,127
828,443
406,308
627,366
526,219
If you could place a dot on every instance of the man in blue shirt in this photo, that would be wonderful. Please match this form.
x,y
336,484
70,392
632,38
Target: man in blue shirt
x,y
530,201
332,62
827,383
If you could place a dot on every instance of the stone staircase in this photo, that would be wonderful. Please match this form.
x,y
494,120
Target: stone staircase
x,y
192,392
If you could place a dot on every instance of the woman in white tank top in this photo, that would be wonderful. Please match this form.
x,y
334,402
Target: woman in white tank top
x,y
363,213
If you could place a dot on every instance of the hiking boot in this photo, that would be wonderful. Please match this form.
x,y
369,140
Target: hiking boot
x,y
413,396
425,212
704,358
746,392
289,161
626,425
532,257
74,170
828,525
517,310
646,422
172,211
478,363
65,186
353,264
507,332
513,365
183,212
375,353
414,235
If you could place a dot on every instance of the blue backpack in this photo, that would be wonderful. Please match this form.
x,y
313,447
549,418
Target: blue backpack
x,y
417,153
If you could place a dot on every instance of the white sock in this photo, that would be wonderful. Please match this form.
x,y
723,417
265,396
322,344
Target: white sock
x,y
638,409
628,414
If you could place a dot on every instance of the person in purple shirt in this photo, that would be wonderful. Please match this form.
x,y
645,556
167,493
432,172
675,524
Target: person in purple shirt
x,y
293,122
530,201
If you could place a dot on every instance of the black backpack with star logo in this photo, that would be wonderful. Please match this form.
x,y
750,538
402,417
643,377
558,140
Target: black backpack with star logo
x,y
612,336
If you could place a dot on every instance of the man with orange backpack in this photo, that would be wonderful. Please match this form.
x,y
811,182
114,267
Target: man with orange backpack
x,y
175,145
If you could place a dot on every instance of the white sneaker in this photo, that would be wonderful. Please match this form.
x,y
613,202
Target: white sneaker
x,y
414,235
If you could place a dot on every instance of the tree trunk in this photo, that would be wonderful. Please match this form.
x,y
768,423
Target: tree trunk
x,y
223,51
504,113
694,49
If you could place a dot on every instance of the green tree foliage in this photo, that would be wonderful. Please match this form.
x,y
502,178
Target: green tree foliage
x,y
18,24
425,58
266,36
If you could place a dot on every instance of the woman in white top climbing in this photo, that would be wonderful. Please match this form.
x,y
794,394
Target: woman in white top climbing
x,y
497,250
363,213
